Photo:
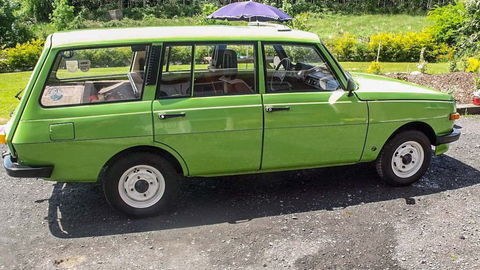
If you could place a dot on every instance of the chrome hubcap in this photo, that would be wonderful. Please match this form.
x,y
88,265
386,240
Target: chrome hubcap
x,y
141,186
407,159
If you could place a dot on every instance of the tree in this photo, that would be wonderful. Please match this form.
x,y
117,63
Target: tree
x,y
470,30
63,14
11,32
38,10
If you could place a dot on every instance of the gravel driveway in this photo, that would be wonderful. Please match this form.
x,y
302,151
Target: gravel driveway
x,y
342,218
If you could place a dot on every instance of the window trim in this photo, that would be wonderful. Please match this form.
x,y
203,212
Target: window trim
x,y
148,46
315,47
192,67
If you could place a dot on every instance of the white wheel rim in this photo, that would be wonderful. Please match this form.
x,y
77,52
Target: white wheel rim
x,y
407,159
141,186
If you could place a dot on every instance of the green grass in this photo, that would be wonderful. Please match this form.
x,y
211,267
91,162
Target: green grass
x,y
10,84
332,26
432,68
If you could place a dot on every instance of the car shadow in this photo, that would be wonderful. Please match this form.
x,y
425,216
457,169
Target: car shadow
x,y
80,210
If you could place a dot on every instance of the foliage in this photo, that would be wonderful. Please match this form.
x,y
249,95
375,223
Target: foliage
x,y
470,30
348,48
473,65
62,15
300,22
447,21
403,47
11,30
38,10
21,57
374,68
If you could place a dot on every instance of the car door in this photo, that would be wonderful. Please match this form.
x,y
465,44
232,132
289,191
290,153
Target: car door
x,y
309,120
208,108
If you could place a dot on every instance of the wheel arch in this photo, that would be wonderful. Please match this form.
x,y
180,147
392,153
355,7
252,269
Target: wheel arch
x,y
417,125
171,155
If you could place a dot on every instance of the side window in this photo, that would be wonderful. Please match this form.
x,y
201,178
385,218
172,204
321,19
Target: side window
x,y
176,78
224,69
297,68
87,76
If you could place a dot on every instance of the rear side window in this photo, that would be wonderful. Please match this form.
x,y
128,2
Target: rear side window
x,y
98,75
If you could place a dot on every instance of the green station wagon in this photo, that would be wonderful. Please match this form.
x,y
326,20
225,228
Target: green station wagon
x,y
137,109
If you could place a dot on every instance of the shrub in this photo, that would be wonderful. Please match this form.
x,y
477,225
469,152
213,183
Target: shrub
x,y
447,21
21,57
473,65
348,48
300,22
407,47
374,68
393,48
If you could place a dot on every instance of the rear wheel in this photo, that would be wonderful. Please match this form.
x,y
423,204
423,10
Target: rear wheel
x,y
405,158
141,184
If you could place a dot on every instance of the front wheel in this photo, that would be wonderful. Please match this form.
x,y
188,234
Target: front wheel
x,y
405,158
141,184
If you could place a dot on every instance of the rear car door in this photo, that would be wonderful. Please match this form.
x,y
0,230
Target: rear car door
x,y
208,108
309,120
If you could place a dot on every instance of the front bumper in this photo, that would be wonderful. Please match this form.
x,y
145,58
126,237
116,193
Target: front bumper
x,y
444,139
16,170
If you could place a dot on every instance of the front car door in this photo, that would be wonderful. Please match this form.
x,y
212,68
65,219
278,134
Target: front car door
x,y
309,120
208,108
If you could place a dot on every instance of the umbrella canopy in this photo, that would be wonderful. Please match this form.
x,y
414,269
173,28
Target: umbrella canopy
x,y
249,11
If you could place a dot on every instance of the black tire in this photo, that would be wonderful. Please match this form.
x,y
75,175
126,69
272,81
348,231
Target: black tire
x,y
138,165
385,166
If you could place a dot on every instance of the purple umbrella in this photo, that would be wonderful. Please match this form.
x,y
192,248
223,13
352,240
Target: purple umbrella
x,y
249,11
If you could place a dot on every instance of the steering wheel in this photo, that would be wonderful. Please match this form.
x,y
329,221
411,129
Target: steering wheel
x,y
280,74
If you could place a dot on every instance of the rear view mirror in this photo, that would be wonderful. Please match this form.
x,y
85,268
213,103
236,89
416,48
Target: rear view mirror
x,y
67,54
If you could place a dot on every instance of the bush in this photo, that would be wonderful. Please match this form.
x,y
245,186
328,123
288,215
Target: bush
x,y
473,65
300,22
393,48
348,48
406,47
21,57
447,21
374,68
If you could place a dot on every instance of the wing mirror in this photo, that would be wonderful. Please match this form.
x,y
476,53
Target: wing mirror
x,y
351,86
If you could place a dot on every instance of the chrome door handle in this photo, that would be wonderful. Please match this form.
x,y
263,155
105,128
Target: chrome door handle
x,y
274,109
164,116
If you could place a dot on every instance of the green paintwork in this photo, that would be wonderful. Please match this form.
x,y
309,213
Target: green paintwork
x,y
219,135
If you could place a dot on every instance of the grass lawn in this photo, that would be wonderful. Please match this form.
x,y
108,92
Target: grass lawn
x,y
331,26
11,83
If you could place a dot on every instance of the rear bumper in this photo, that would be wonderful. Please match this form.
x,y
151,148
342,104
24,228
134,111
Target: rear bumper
x,y
16,170
453,136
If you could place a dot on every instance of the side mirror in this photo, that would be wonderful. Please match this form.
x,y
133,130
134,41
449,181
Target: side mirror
x,y
351,86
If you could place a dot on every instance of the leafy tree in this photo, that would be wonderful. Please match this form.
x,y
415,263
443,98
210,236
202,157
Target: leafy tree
x,y
447,21
11,31
62,15
470,40
38,10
